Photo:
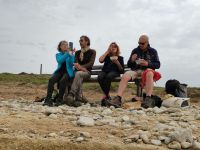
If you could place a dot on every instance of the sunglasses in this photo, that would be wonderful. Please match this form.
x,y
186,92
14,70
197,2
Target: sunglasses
x,y
140,43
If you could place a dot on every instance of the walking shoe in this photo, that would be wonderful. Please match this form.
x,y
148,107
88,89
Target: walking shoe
x,y
82,99
116,102
59,102
104,100
48,102
69,99
76,103
148,102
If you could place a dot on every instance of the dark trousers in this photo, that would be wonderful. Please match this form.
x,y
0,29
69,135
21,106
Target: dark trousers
x,y
62,79
105,80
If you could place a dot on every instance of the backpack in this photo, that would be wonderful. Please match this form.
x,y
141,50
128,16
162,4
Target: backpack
x,y
175,88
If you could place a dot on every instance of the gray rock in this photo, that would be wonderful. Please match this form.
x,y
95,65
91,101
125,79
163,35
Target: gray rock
x,y
161,127
134,137
174,145
125,118
52,135
196,145
144,138
85,121
53,116
53,110
156,142
79,139
182,135
186,145
197,116
85,134
107,112
157,110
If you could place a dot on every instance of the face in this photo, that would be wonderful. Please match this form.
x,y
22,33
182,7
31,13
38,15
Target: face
x,y
83,42
113,48
64,46
143,43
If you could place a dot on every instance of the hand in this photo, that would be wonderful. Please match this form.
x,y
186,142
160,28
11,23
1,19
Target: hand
x,y
77,66
134,57
115,61
143,62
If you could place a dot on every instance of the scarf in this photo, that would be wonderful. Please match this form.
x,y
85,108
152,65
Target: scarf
x,y
83,50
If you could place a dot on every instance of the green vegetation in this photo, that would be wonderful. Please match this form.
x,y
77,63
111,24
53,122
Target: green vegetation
x,y
36,79
24,78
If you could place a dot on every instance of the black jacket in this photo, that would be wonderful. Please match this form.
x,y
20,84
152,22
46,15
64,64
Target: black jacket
x,y
150,55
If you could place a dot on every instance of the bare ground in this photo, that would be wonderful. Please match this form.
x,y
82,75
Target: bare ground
x,y
21,125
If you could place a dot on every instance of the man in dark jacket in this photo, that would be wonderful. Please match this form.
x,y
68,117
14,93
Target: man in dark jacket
x,y
143,58
84,60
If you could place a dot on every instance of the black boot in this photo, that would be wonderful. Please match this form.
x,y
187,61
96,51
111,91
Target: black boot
x,y
48,102
59,101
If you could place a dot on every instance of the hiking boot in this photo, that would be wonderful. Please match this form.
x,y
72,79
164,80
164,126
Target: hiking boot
x,y
116,102
148,102
76,104
82,99
104,100
59,102
70,99
48,102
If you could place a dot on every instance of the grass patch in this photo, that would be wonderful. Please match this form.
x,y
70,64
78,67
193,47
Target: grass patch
x,y
24,78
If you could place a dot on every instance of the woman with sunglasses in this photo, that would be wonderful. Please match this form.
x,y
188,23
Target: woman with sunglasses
x,y
112,68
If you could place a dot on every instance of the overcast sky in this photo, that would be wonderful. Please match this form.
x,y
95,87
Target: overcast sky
x,y
31,29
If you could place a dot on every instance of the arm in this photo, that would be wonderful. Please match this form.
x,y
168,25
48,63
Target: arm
x,y
60,58
102,58
155,62
131,62
120,64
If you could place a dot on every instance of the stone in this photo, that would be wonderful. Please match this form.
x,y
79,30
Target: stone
x,y
156,142
186,145
79,139
196,145
174,145
53,110
197,116
85,121
106,112
144,138
182,135
85,134
53,135
53,116
134,137
125,118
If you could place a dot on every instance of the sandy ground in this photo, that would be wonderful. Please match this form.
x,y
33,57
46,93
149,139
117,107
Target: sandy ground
x,y
21,125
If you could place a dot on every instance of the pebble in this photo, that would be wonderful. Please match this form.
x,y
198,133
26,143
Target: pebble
x,y
79,139
85,121
156,142
125,118
85,134
53,116
174,145
196,145
186,145
53,135
107,111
